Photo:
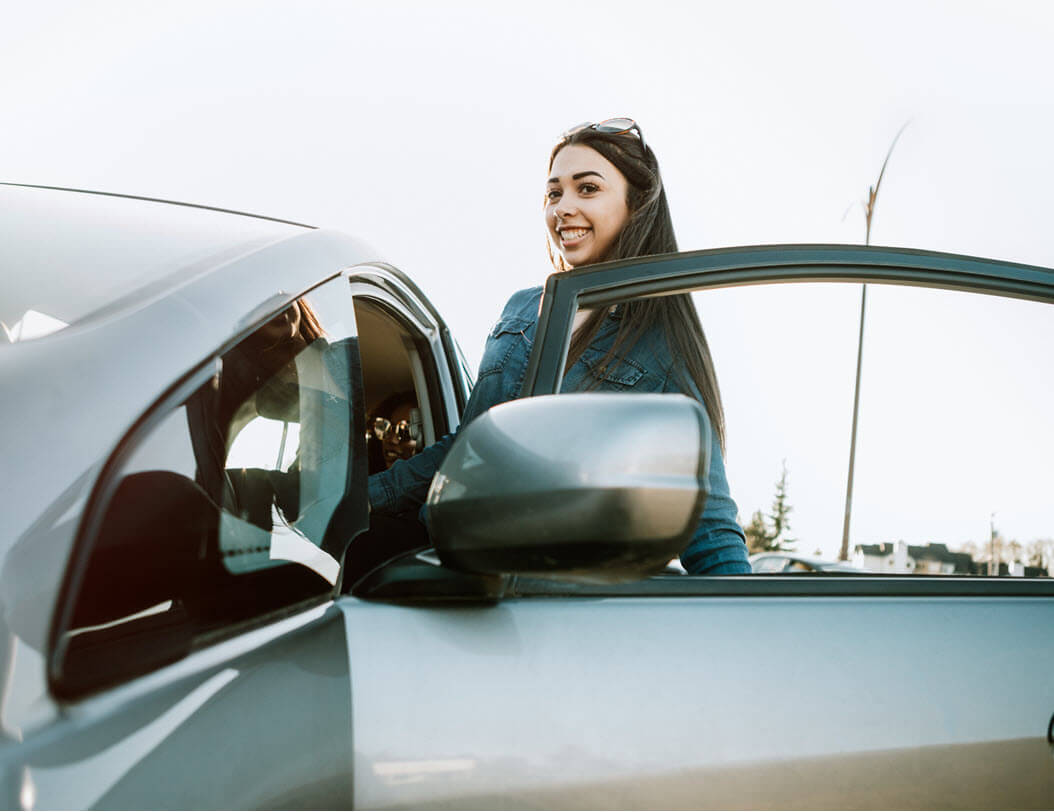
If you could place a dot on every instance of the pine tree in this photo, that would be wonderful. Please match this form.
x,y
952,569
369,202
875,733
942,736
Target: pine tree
x,y
758,538
769,533
780,515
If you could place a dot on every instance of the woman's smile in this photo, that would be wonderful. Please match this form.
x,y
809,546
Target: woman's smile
x,y
571,236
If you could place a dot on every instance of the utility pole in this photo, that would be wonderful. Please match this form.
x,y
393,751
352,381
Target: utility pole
x,y
869,213
993,565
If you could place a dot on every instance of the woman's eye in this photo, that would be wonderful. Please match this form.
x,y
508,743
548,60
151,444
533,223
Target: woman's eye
x,y
588,188
553,194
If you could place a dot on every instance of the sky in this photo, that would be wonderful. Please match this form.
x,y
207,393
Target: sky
x,y
424,128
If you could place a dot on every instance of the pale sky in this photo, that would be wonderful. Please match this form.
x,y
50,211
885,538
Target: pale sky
x,y
424,128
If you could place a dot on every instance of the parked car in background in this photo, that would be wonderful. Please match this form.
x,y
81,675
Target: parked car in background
x,y
185,443
792,562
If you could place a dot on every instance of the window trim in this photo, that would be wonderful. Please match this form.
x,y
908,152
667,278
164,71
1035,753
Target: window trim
x,y
611,282
427,331
405,291
439,421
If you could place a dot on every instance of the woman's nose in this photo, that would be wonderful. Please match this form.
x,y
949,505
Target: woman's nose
x,y
565,208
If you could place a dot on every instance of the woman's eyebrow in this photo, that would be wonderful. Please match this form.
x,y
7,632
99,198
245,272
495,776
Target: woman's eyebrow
x,y
578,175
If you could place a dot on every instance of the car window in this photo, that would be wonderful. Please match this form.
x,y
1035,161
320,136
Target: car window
x,y
228,505
952,472
768,563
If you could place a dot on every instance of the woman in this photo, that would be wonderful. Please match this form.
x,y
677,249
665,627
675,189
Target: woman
x,y
604,200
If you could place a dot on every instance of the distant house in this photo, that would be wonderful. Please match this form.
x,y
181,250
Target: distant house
x,y
1017,568
885,557
937,559
931,559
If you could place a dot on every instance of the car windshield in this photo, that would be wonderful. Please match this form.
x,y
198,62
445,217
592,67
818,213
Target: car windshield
x,y
65,256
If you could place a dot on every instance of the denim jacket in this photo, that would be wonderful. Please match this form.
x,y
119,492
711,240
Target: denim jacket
x,y
717,547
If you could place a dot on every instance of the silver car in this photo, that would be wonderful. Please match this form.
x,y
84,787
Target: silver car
x,y
192,400
793,562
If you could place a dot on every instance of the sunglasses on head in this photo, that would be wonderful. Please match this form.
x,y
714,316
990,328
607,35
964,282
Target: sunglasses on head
x,y
614,126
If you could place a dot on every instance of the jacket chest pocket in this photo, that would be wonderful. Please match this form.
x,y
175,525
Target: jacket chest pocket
x,y
507,341
612,373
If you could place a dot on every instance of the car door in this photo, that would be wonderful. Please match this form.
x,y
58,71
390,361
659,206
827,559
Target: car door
x,y
883,689
197,653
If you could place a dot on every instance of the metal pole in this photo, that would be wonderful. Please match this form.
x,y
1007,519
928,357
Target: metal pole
x,y
993,565
843,555
869,213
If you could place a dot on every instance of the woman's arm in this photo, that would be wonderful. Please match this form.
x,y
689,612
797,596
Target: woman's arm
x,y
405,484
719,545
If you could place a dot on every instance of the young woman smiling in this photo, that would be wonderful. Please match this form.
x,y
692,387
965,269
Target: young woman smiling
x,y
604,200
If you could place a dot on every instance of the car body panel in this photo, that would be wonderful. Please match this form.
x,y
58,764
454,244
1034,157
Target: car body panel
x,y
256,706
674,702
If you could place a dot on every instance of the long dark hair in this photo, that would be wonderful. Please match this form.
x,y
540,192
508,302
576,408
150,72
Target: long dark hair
x,y
648,231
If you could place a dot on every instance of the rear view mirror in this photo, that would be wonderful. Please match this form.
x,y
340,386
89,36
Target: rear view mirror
x,y
593,486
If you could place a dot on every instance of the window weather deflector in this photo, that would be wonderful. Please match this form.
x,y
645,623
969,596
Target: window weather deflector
x,y
415,301
608,283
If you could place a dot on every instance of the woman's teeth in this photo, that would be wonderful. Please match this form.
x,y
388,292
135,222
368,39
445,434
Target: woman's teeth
x,y
569,234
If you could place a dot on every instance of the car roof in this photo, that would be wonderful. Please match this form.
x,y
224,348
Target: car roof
x,y
69,255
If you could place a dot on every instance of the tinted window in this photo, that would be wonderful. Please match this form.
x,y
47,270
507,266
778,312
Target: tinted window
x,y
228,506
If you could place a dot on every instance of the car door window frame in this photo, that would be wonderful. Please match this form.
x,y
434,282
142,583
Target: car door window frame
x,y
393,288
607,284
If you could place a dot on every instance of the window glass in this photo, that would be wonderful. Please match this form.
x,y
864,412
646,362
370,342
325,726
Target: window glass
x,y
768,563
220,511
954,440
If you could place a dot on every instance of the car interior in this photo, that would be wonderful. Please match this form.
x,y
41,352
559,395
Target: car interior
x,y
397,376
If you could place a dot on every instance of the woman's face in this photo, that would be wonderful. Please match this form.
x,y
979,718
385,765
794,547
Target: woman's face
x,y
585,206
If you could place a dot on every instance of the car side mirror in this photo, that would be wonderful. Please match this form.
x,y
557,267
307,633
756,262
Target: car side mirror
x,y
590,487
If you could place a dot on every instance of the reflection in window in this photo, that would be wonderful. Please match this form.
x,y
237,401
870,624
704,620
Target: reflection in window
x,y
284,391
220,511
264,443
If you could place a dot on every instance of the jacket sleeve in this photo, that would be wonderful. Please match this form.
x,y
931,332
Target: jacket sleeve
x,y
405,484
718,546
